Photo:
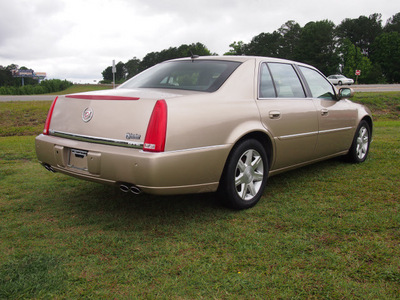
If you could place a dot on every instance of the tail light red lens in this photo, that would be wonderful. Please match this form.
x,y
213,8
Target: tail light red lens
x,y
157,128
49,115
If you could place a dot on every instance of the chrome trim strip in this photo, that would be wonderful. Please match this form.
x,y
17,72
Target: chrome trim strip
x,y
291,136
97,140
299,135
195,149
335,130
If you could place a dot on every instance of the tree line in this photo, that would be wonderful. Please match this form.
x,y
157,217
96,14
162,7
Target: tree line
x,y
44,87
355,44
10,85
134,66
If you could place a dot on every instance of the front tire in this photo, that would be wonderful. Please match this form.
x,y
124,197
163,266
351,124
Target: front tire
x,y
359,148
245,175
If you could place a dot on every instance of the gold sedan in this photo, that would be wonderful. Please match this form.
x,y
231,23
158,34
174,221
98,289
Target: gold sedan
x,y
205,124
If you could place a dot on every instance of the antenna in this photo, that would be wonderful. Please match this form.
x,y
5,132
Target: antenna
x,y
193,57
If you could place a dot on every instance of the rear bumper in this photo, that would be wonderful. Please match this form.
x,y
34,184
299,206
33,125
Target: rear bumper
x,y
175,172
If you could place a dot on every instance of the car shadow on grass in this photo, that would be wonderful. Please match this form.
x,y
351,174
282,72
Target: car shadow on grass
x,y
91,203
107,206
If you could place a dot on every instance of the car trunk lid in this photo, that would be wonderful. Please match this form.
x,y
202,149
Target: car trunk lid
x,y
118,117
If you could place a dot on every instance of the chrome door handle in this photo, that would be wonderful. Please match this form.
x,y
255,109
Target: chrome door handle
x,y
274,114
324,112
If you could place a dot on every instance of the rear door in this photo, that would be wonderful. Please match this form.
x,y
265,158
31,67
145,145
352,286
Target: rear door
x,y
287,114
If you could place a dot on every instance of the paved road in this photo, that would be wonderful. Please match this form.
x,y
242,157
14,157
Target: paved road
x,y
357,88
376,87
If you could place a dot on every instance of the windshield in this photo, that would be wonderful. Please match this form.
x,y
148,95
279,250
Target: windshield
x,y
197,75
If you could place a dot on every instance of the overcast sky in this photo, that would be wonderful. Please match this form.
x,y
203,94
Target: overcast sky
x,y
77,39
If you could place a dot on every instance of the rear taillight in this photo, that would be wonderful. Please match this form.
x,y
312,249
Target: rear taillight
x,y
49,115
157,128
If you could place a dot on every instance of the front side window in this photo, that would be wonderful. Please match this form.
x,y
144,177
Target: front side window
x,y
319,86
197,75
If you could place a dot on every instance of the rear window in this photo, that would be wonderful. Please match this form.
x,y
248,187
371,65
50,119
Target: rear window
x,y
196,75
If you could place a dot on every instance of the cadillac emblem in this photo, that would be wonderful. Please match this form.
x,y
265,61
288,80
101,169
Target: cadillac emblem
x,y
87,114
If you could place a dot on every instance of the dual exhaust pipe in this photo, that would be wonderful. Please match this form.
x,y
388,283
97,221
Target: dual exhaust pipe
x,y
49,168
126,187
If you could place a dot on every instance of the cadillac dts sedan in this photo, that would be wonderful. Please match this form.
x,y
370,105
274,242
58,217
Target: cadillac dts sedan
x,y
205,124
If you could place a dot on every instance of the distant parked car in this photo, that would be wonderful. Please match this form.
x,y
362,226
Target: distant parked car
x,y
203,124
340,80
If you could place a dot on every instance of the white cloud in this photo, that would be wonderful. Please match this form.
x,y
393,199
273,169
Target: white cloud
x,y
78,39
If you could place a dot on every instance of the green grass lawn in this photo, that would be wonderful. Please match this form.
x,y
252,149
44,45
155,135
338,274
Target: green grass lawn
x,y
326,231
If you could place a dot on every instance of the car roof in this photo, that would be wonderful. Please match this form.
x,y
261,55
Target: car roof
x,y
242,58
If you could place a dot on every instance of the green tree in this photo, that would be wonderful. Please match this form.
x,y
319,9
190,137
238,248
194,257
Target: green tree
x,y
237,48
386,52
290,37
184,50
264,44
121,73
132,67
317,46
361,32
107,75
352,59
393,24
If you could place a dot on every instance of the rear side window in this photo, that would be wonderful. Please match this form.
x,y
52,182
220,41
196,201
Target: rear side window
x,y
287,83
279,80
267,89
197,75
319,86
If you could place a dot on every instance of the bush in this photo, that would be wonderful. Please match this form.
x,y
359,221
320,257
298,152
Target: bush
x,y
46,86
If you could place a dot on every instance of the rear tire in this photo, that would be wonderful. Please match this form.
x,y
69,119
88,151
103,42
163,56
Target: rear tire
x,y
359,148
245,175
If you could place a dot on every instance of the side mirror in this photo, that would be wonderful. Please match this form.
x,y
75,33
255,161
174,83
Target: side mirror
x,y
345,93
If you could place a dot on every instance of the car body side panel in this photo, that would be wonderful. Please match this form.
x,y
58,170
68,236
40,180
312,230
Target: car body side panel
x,y
337,123
214,118
294,125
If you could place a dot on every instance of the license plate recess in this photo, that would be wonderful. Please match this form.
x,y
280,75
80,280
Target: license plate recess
x,y
78,159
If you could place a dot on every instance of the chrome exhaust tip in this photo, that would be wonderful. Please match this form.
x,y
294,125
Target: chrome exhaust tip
x,y
135,190
124,188
49,168
128,187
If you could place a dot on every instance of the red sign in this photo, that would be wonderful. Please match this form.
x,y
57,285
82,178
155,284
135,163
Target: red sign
x,y
358,72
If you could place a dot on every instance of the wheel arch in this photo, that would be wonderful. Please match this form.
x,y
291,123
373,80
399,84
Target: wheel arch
x,y
368,119
261,137
264,139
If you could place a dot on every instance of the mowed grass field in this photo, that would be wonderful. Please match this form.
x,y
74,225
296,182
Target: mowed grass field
x,y
326,231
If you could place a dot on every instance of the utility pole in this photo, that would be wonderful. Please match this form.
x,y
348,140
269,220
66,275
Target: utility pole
x,y
114,70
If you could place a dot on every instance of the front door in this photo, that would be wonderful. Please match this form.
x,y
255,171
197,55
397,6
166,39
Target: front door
x,y
336,121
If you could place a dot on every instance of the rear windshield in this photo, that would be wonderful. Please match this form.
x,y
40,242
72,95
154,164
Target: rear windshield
x,y
197,75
